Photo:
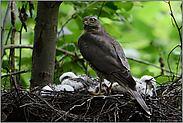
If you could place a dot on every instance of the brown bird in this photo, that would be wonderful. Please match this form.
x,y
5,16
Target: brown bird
x,y
106,56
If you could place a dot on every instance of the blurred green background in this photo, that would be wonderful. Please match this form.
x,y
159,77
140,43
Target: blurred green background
x,y
144,29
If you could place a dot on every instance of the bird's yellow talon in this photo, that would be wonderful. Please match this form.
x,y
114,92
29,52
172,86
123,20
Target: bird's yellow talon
x,y
96,93
109,87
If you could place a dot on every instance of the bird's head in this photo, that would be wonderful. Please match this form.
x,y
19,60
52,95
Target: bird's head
x,y
91,23
149,80
66,76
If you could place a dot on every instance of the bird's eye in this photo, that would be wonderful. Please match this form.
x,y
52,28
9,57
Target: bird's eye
x,y
92,20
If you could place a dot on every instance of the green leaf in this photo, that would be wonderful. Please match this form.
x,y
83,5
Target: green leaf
x,y
127,5
111,5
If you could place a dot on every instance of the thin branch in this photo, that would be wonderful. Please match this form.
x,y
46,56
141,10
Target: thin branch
x,y
61,113
6,42
59,67
144,62
3,29
88,106
14,73
179,29
101,110
169,57
161,59
70,44
78,54
14,83
101,9
179,60
18,46
12,51
20,54
31,47
67,52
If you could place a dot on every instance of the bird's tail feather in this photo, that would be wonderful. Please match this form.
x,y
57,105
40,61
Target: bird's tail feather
x,y
139,100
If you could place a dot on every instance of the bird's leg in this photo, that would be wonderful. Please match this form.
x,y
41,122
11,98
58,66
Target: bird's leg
x,y
100,87
109,87
99,92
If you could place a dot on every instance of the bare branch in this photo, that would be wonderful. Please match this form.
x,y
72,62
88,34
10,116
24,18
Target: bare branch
x,y
169,57
3,29
179,29
18,46
31,47
14,73
78,54
101,9
12,51
144,62
20,40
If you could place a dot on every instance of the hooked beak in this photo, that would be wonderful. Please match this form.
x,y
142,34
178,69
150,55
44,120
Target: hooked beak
x,y
85,23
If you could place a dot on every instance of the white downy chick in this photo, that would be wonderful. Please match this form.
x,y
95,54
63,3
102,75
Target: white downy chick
x,y
145,84
140,85
64,88
69,78
67,75
58,88
117,88
47,87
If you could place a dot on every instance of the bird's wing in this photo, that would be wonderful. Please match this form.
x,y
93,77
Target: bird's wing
x,y
106,55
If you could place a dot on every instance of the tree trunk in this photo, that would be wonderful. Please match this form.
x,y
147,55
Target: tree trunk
x,y
45,41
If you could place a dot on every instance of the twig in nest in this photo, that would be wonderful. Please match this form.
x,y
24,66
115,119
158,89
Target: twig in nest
x,y
73,108
14,83
101,109
60,112
88,106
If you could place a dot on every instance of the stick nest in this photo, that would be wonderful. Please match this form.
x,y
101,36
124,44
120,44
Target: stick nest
x,y
19,104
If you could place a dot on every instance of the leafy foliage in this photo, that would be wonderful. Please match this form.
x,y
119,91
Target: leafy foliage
x,y
145,30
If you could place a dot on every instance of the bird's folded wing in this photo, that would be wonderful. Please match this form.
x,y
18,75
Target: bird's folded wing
x,y
104,53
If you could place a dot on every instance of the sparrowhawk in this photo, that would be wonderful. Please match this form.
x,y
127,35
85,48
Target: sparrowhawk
x,y
106,56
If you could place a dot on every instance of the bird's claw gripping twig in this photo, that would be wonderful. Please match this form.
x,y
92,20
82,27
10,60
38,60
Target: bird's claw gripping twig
x,y
99,93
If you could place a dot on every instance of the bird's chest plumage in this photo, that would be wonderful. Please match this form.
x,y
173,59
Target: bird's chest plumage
x,y
94,45
98,52
93,48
